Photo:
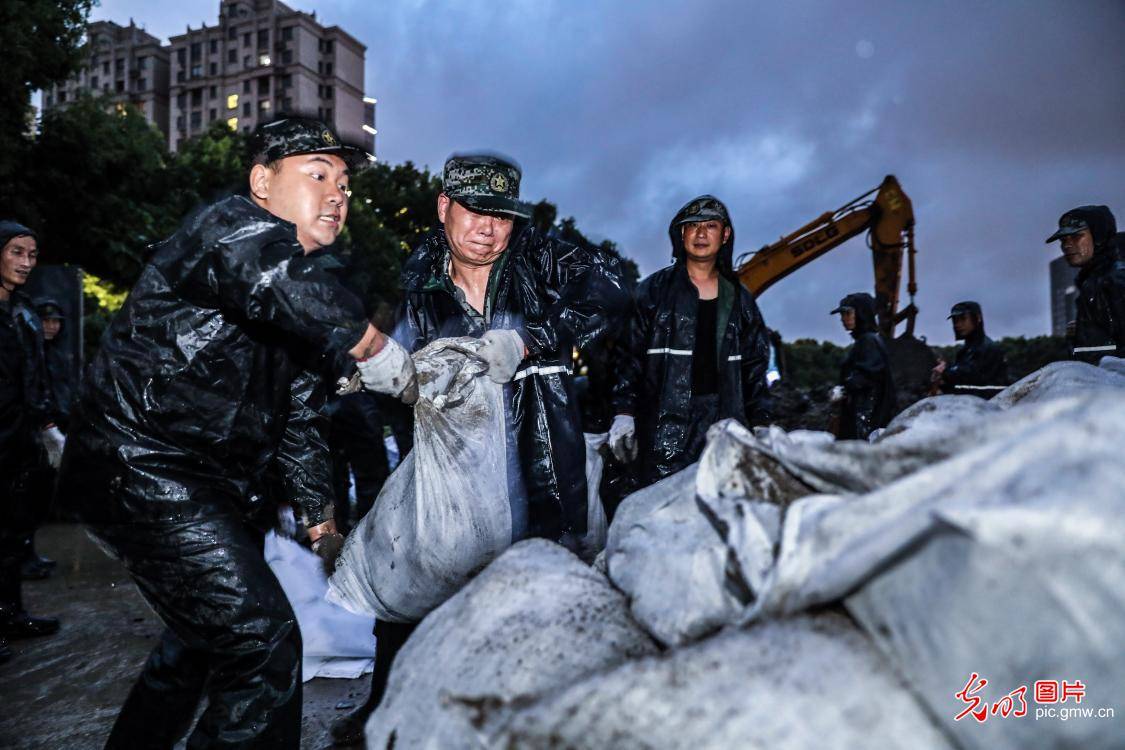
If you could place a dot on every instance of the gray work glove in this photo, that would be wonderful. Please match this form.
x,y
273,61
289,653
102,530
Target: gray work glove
x,y
391,371
53,443
503,351
327,548
623,438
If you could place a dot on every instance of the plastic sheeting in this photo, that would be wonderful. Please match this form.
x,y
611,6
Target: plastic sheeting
x,y
336,642
536,619
804,684
596,524
444,513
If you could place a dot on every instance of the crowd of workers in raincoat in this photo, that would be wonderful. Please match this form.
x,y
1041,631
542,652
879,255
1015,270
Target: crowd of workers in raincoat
x,y
213,397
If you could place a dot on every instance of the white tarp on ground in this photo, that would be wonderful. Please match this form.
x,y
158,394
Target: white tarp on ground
x,y
805,684
537,618
336,642
444,513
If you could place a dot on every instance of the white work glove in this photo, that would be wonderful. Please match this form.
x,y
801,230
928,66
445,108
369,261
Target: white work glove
x,y
53,442
391,371
836,395
623,438
503,352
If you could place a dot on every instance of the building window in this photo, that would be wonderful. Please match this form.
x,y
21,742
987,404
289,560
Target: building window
x,y
196,119
232,101
62,97
286,56
246,39
105,68
264,85
246,109
214,46
245,128
105,87
93,82
232,56
142,84
196,51
181,56
328,114
119,66
263,38
320,67
287,81
329,92
246,86
214,69
180,77
120,86
213,115
180,123
213,93
181,100
232,33
142,63
196,97
232,123
246,61
327,69
328,47
196,71
287,34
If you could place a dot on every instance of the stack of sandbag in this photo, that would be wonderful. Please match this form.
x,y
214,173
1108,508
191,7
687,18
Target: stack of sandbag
x,y
536,619
444,513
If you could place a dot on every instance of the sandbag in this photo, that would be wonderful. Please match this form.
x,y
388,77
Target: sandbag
x,y
536,619
444,513
1062,379
596,523
801,684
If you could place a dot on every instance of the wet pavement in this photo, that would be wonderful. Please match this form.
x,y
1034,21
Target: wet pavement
x,y
63,691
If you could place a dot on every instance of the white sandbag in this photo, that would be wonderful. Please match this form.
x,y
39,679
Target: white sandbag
x,y
802,684
536,619
596,523
336,642
444,513
1061,379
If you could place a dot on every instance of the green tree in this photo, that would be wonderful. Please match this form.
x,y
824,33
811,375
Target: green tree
x,y
42,45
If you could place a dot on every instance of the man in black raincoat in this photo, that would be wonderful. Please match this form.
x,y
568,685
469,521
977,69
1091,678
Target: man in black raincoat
x,y
205,391
867,391
486,272
1087,236
980,368
696,350
27,431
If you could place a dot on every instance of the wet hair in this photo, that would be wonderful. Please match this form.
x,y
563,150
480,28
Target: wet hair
x,y
260,159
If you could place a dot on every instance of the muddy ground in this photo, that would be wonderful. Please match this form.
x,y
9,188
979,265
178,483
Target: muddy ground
x,y
64,691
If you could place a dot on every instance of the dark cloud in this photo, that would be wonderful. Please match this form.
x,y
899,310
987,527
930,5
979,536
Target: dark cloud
x,y
996,117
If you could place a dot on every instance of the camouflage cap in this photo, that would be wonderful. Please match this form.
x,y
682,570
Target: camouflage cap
x,y
292,136
703,208
961,308
484,183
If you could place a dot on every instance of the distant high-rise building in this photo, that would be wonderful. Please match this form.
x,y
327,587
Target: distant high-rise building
x,y
126,64
1064,295
264,58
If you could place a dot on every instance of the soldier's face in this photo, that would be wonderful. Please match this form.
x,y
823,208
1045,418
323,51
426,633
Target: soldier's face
x,y
964,325
19,256
51,328
1078,249
847,319
475,239
703,239
308,190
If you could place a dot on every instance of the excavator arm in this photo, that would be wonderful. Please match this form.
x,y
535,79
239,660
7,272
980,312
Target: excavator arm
x,y
889,221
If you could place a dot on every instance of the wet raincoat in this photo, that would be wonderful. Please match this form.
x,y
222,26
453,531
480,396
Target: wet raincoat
x,y
869,388
1100,323
654,382
557,296
205,393
980,368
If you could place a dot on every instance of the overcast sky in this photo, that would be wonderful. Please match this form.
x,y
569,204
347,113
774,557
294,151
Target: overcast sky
x,y
995,116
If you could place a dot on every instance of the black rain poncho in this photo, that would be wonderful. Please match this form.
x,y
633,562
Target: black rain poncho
x,y
1099,328
557,296
869,387
655,364
213,372
27,403
980,368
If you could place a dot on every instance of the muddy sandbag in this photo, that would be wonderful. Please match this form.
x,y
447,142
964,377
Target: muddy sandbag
x,y
1061,379
535,619
444,513
801,684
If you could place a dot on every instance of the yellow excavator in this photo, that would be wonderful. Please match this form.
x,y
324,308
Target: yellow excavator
x,y
888,219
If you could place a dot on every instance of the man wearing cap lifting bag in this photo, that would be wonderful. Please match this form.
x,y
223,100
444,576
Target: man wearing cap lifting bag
x,y
486,272
1088,239
204,390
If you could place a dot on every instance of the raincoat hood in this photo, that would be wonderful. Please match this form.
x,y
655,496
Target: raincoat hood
x,y
1098,219
703,208
10,229
864,306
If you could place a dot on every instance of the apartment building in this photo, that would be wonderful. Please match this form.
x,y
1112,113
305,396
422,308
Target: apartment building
x,y
263,58
126,64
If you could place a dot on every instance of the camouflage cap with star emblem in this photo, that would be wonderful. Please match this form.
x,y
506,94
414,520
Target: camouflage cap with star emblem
x,y
485,183
292,136
703,208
